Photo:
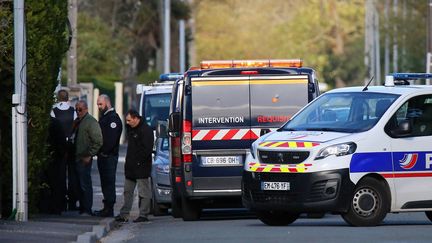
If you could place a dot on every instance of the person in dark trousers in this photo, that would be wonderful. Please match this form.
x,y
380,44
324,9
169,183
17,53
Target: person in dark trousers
x,y
65,114
111,127
137,167
54,201
88,141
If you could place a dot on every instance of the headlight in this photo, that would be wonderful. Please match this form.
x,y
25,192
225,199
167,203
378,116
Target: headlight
x,y
162,168
337,150
253,149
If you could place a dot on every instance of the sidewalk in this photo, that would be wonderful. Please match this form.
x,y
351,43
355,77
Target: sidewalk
x,y
69,226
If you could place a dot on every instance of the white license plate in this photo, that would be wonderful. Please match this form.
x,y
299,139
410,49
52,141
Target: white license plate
x,y
221,160
275,186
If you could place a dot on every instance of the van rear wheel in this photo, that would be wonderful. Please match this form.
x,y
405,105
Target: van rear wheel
x,y
158,210
176,208
276,218
369,205
190,209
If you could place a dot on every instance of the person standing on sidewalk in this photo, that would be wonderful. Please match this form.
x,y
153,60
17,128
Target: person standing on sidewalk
x,y
88,141
111,127
137,167
65,114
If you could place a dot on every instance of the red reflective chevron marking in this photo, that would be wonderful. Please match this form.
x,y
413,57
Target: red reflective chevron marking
x,y
210,135
230,134
224,134
249,135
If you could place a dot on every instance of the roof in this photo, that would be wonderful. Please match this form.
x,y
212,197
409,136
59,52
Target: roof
x,y
398,89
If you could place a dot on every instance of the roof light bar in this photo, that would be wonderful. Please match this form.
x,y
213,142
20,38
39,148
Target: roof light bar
x,y
170,76
278,63
411,76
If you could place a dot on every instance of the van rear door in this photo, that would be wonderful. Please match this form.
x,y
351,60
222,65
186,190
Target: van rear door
x,y
220,113
220,132
274,99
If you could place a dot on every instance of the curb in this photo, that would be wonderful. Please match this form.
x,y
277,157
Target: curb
x,y
98,231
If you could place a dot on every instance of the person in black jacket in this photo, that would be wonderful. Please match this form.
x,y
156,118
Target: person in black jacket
x,y
137,167
65,114
111,127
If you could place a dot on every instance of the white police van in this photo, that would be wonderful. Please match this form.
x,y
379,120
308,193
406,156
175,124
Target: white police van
x,y
154,102
361,152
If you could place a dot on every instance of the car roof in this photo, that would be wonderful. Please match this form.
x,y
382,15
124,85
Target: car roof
x,y
159,90
397,89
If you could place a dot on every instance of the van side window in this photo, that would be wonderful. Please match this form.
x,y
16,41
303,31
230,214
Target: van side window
x,y
418,111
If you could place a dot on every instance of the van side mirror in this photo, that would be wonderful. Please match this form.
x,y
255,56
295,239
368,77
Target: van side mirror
x,y
161,131
404,128
264,131
174,124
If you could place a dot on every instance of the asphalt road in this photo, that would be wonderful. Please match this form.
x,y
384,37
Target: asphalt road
x,y
224,227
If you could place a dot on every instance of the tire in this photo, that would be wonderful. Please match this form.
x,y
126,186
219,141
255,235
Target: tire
x,y
157,209
429,215
190,209
176,208
276,218
369,204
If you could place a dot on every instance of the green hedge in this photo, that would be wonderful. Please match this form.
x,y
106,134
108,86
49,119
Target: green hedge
x,y
46,46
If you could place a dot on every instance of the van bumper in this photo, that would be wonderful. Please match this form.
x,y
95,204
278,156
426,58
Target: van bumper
x,y
327,191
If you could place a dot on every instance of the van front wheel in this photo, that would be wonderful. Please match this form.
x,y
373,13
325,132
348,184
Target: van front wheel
x,y
369,205
276,218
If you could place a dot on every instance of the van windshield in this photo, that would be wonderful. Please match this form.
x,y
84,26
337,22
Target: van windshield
x,y
156,108
349,112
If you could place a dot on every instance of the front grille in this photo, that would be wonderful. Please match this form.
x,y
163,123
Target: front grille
x,y
273,197
287,177
283,157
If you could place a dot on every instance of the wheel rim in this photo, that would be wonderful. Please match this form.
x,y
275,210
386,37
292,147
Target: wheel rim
x,y
365,202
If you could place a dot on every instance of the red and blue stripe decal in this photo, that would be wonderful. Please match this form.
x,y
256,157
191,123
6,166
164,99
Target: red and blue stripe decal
x,y
393,165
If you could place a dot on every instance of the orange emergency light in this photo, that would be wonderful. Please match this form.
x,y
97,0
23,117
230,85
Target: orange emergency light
x,y
277,63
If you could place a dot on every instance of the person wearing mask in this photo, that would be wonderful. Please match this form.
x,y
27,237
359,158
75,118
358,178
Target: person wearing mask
x,y
88,141
111,127
137,167
65,114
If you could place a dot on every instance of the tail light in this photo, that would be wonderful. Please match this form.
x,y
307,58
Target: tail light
x,y
176,155
187,141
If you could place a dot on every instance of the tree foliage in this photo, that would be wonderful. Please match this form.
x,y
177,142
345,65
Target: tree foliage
x,y
327,34
122,38
46,45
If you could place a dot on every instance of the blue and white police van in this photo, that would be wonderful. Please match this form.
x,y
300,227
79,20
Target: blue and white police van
x,y
154,100
217,111
360,152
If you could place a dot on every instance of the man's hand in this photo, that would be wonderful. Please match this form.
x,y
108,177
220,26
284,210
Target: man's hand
x,y
86,160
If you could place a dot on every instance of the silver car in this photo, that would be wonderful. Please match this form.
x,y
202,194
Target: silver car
x,y
161,185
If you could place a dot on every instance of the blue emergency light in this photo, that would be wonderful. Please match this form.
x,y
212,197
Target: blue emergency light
x,y
170,76
411,76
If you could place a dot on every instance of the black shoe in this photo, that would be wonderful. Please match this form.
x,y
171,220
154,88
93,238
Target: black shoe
x,y
83,213
72,207
120,219
99,211
141,219
104,213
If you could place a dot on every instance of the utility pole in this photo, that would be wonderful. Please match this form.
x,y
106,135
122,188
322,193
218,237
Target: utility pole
x,y
372,46
19,113
395,40
182,46
429,42
72,52
167,42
